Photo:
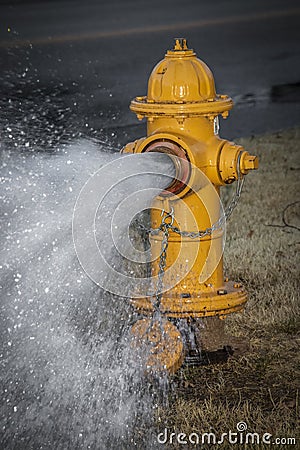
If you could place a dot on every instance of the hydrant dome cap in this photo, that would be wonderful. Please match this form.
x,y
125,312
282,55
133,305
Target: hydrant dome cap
x,y
181,84
181,78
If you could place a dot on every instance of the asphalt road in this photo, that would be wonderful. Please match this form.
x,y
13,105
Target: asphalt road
x,y
71,66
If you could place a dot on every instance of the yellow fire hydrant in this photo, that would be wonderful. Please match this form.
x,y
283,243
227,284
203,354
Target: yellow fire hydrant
x,y
182,110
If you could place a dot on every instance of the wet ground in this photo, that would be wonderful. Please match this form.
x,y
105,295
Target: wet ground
x,y
71,67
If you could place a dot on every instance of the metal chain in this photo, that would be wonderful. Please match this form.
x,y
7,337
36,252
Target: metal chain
x,y
220,222
201,233
167,225
164,227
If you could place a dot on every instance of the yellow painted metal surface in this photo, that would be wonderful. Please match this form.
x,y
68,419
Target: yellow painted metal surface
x,y
182,109
161,344
180,86
178,304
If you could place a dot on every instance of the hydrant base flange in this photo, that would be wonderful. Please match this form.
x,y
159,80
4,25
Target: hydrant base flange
x,y
230,298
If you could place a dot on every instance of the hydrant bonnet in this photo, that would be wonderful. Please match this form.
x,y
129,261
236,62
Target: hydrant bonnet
x,y
181,84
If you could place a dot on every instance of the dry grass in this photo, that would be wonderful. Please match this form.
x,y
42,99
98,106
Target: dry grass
x,y
260,388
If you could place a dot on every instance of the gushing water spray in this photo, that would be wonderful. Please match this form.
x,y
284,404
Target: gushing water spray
x,y
69,377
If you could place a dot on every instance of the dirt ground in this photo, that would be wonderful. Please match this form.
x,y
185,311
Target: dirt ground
x,y
261,388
